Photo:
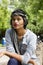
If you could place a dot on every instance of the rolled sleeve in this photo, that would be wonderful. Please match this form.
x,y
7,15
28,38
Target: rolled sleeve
x,y
25,58
9,44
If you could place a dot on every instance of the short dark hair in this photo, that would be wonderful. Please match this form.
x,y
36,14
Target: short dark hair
x,y
22,13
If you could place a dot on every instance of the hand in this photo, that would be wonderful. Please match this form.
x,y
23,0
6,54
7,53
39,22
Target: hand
x,y
32,62
1,54
35,64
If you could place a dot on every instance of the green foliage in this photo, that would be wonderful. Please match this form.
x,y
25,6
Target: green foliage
x,y
4,17
34,9
0,45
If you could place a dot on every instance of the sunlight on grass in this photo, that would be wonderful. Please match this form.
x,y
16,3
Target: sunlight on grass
x,y
0,45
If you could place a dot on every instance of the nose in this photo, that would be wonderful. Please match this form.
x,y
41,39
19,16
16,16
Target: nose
x,y
16,21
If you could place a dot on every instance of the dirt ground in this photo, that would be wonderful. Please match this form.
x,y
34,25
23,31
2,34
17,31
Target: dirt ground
x,y
39,52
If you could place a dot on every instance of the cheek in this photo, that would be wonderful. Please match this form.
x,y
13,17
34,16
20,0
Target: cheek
x,y
12,23
22,22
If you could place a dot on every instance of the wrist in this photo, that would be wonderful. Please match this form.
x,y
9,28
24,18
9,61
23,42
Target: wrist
x,y
4,52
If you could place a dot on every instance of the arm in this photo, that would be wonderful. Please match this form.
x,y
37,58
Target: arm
x,y
31,47
16,56
9,44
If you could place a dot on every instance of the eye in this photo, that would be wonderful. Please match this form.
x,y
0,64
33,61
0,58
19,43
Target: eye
x,y
19,19
13,19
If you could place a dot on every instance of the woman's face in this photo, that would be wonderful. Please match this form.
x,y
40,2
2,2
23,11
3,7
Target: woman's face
x,y
17,22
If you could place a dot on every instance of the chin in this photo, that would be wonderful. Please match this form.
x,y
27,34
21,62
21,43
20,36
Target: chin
x,y
16,28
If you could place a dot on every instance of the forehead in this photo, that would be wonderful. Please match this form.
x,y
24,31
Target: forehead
x,y
17,16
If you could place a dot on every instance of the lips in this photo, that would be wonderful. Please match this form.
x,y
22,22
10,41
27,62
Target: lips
x,y
16,24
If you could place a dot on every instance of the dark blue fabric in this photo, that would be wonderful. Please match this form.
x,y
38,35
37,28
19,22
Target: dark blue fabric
x,y
13,61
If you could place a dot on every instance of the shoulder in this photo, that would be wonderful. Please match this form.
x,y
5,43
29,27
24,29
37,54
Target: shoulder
x,y
30,35
8,30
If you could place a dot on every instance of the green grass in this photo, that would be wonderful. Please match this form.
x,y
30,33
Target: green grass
x,y
0,45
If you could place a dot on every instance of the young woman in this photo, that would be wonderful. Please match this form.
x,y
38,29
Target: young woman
x,y
20,42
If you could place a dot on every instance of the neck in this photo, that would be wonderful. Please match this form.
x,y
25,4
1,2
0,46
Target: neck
x,y
21,32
